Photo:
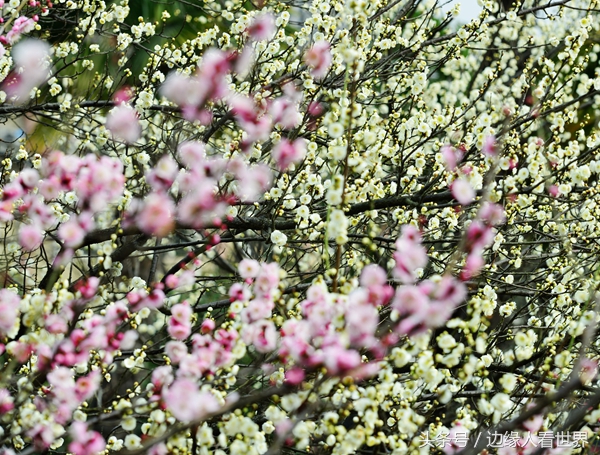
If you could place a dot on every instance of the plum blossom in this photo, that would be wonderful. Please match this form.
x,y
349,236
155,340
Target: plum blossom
x,y
262,27
451,157
30,237
124,124
180,321
287,152
278,238
85,442
490,146
462,191
473,265
479,236
492,214
589,370
162,176
6,401
187,403
248,268
157,215
30,58
251,118
410,255
20,26
284,110
71,233
9,310
42,435
252,182
318,57
191,93
262,335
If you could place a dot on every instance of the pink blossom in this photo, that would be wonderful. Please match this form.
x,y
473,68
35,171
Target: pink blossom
x,y
373,275
252,182
55,324
589,370
410,300
141,299
124,124
71,233
9,310
473,265
554,191
267,279
284,110
251,119
157,215
462,191
361,324
39,212
248,268
490,147
437,315
184,90
29,178
243,62
315,109
86,386
318,57
263,335
201,207
207,326
286,152
192,93
410,255
176,351
158,449
492,214
239,291
187,403
340,361
162,176
211,72
533,423
85,442
20,26
172,281
128,340
30,56
162,376
6,401
181,312
262,27
179,326
30,237
295,376
449,291
257,309
451,157
191,153
42,435
88,287
479,236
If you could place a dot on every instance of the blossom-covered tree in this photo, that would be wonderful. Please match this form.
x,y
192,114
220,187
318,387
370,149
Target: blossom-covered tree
x,y
327,227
